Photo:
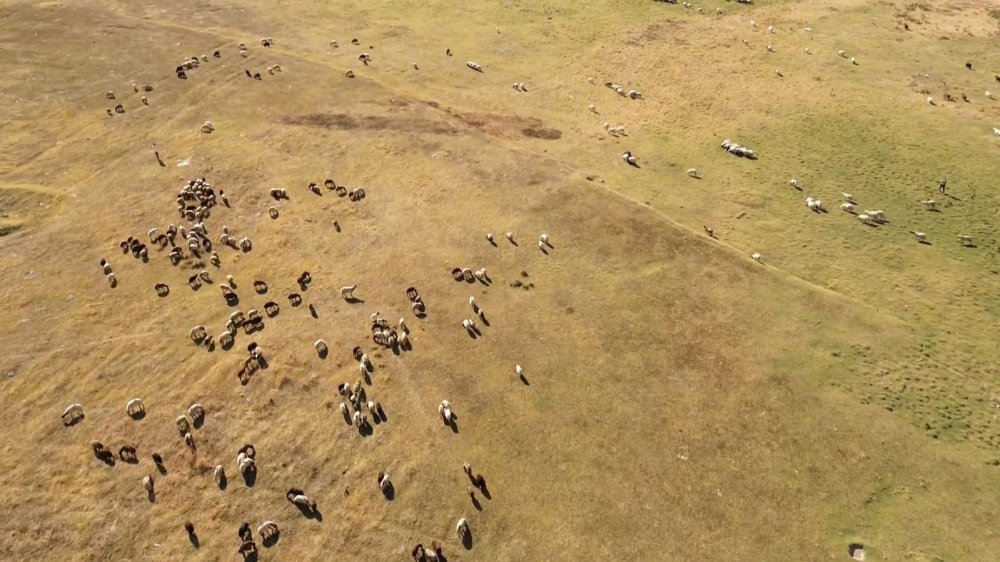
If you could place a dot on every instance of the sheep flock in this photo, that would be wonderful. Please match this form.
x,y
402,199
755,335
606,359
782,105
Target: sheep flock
x,y
478,283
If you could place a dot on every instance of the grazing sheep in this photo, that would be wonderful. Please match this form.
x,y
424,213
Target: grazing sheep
x,y
445,410
930,100
847,207
519,370
147,483
920,236
694,173
219,473
793,182
183,425
629,157
134,407
383,481
469,325
72,413
848,197
462,528
930,205
321,347
864,218
189,441
197,412
480,274
245,464
592,108
472,303
112,280
756,257
965,239
348,292
267,529
207,127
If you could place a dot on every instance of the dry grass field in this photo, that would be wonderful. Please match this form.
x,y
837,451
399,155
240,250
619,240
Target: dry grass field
x,y
680,401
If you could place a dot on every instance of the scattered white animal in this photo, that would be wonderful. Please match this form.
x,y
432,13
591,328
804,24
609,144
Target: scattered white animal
x,y
694,173
756,257
920,236
965,239
348,292
72,413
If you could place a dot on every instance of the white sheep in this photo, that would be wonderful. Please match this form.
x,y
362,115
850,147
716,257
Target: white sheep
x,y
841,54
462,528
793,182
848,207
930,100
694,173
348,292
112,279
402,327
384,482
920,236
267,529
544,239
147,483
196,411
445,410
519,370
489,237
320,346
510,236
72,413
472,303
965,239
469,325
756,257
930,205
219,473
134,406
245,464
848,197
343,408
592,108
864,218
480,274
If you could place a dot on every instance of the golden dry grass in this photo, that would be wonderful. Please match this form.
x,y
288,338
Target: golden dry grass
x,y
683,401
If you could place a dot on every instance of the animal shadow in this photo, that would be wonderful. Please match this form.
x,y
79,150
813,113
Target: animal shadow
x,y
524,380
223,482
354,300
151,496
925,242
467,540
193,537
453,424
323,353
138,415
75,420
476,504
482,318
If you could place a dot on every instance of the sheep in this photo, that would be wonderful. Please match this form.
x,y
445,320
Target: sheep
x,y
793,182
106,267
404,339
519,370
756,257
854,61
965,239
348,292
147,483
848,197
343,409
770,48
472,303
402,326
189,441
847,207
930,205
510,237
694,173
207,127
183,425
134,407
462,528
930,100
349,73
321,347
489,235
267,529
864,219
920,236
480,274
629,157
219,474
469,325
245,464
841,54
474,66
197,412
592,108
383,481
445,410
544,239
877,216
72,413
634,94
112,280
